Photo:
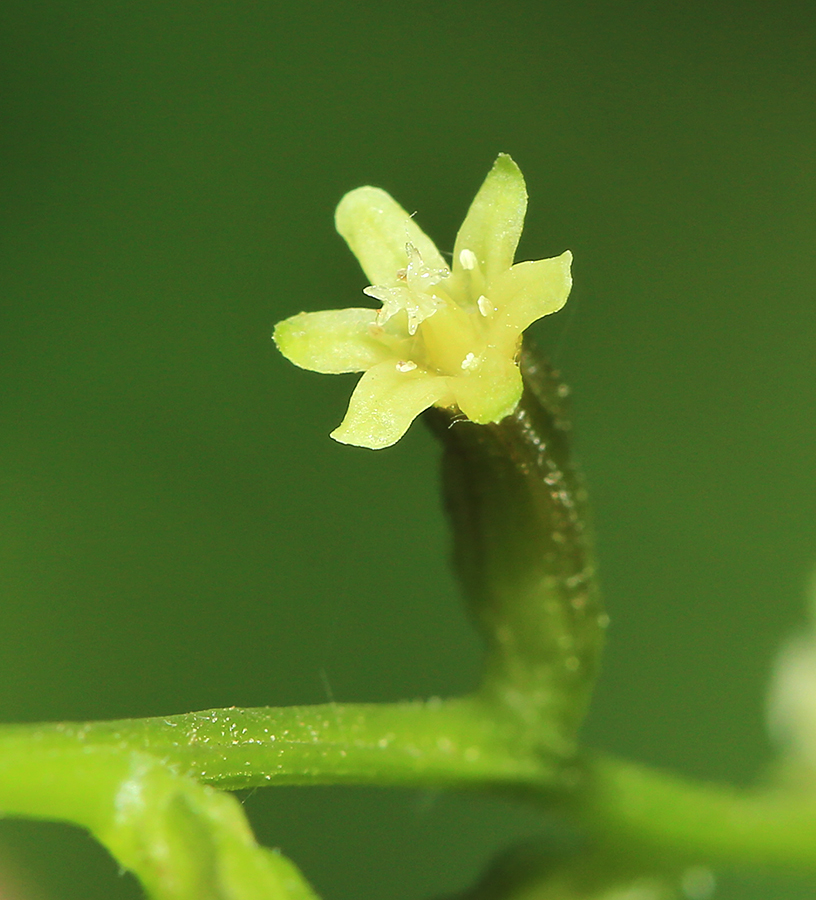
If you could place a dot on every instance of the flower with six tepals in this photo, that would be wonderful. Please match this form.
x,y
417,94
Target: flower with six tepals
x,y
445,336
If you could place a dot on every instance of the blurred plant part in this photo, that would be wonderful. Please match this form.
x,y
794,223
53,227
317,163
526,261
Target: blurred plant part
x,y
791,703
182,840
446,337
538,871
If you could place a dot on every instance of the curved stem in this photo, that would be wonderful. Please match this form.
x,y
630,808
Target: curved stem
x,y
676,821
523,552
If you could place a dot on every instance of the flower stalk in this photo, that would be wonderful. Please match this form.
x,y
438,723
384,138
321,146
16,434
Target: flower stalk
x,y
523,553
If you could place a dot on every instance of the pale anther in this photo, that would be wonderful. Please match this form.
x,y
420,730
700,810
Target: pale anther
x,y
470,361
406,365
468,259
485,306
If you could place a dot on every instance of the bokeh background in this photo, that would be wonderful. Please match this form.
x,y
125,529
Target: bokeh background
x,y
178,532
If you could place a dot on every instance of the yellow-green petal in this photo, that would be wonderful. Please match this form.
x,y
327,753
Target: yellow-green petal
x,y
527,292
492,227
386,401
377,228
331,342
491,392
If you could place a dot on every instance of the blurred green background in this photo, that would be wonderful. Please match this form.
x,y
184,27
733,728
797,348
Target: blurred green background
x,y
178,532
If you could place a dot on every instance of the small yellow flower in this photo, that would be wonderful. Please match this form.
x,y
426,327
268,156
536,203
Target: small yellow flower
x,y
445,336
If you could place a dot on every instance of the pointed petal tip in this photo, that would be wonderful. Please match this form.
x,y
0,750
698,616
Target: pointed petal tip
x,y
506,164
283,332
367,431
506,172
566,262
367,442
385,402
494,222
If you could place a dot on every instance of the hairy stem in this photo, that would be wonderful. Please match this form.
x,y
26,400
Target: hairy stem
x,y
642,814
453,742
523,553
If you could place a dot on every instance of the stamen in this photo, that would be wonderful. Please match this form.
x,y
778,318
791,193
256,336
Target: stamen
x,y
471,361
468,259
406,365
485,306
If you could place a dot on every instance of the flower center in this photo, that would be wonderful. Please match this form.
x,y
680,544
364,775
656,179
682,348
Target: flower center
x,y
447,320
416,291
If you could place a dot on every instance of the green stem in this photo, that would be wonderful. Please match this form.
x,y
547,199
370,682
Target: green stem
x,y
663,817
454,742
641,813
